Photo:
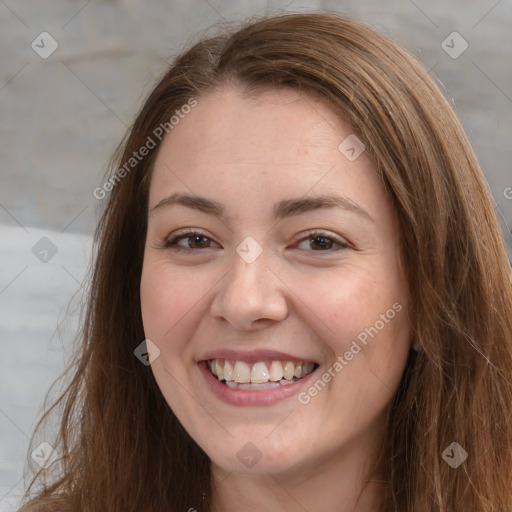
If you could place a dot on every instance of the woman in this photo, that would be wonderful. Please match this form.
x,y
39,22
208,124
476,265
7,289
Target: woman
x,y
300,232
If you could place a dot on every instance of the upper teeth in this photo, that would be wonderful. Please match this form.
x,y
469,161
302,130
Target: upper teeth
x,y
258,373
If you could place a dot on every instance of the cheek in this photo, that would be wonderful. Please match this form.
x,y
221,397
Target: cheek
x,y
174,301
350,300
166,297
364,315
374,343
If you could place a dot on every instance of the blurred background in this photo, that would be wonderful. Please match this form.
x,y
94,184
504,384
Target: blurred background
x,y
73,75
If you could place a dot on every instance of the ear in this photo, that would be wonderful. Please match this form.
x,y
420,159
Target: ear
x,y
415,345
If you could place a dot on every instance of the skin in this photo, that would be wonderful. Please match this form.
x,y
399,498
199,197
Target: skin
x,y
296,297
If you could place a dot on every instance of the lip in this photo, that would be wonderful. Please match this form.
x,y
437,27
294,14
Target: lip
x,y
253,356
248,398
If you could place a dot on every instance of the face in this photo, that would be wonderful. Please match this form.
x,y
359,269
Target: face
x,y
263,282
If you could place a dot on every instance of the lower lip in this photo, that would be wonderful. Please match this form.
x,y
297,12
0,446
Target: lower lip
x,y
246,397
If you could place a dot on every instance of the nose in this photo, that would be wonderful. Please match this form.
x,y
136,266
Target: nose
x,y
250,296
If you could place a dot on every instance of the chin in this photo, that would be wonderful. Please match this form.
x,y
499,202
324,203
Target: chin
x,y
254,454
251,463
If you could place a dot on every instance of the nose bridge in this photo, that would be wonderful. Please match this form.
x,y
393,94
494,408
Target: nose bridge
x,y
249,276
250,291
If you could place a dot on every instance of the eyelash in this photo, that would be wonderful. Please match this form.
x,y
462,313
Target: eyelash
x,y
171,243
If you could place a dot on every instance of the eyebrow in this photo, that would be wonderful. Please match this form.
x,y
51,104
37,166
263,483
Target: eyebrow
x,y
281,210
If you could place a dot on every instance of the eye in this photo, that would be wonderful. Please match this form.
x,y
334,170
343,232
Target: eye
x,y
195,240
325,241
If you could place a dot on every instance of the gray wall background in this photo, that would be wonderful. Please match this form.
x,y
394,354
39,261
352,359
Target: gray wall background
x,y
62,115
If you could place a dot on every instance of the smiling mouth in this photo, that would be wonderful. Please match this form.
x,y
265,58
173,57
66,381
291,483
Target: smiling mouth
x,y
260,375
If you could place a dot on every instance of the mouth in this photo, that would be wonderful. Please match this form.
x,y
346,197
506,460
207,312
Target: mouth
x,y
261,375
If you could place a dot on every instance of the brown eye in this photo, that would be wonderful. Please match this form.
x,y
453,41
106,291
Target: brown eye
x,y
194,241
324,243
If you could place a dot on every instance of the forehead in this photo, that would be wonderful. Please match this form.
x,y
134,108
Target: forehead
x,y
282,121
259,149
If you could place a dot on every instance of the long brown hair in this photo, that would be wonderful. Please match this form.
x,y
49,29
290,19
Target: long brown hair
x,y
121,446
